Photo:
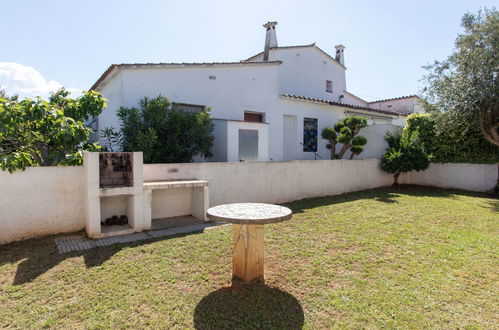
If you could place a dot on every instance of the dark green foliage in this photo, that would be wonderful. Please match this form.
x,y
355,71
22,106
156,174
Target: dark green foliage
x,y
464,88
451,144
113,139
404,154
41,133
164,133
345,131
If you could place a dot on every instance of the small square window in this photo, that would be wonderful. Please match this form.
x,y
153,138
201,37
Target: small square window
x,y
329,86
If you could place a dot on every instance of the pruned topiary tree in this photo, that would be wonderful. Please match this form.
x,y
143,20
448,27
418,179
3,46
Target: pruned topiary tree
x,y
405,153
345,132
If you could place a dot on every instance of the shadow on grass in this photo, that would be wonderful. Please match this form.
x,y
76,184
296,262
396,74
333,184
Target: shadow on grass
x,y
385,195
37,256
40,255
254,307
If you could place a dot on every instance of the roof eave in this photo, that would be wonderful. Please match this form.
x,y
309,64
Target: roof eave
x,y
113,68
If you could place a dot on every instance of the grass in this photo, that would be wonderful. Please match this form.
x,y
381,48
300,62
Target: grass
x,y
398,258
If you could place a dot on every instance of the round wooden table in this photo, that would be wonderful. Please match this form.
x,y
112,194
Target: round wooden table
x,y
247,233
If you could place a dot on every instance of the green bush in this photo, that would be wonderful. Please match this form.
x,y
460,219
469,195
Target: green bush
x,y
451,145
164,133
404,154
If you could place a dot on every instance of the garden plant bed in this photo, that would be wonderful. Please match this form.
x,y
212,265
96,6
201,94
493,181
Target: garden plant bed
x,y
411,257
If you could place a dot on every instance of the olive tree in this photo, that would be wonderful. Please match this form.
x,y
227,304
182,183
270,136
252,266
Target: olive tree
x,y
345,132
464,88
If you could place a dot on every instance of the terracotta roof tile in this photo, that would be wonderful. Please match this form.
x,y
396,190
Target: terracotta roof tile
x,y
345,105
394,99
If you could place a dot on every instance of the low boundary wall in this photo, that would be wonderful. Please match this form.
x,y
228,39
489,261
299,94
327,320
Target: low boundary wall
x,y
50,200
41,201
275,182
471,177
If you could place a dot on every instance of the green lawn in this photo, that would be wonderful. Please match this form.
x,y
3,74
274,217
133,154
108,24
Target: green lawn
x,y
399,258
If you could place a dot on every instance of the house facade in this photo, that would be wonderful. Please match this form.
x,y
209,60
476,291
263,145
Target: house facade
x,y
269,107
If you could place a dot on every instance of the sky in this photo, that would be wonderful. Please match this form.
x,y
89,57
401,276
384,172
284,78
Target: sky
x,y
53,43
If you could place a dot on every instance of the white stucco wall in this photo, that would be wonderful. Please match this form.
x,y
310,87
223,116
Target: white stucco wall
x,y
471,177
41,201
273,182
50,200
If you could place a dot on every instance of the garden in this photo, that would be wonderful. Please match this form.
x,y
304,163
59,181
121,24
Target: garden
x,y
411,257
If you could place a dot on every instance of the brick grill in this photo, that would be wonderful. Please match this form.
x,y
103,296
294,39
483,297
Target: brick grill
x,y
115,169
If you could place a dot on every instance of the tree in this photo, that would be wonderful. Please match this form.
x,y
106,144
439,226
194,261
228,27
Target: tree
x,y
46,133
165,133
345,131
464,88
404,154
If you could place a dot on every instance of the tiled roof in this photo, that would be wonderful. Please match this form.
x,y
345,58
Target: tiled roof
x,y
112,67
394,99
345,105
298,46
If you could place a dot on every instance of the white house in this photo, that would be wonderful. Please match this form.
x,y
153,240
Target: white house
x,y
269,107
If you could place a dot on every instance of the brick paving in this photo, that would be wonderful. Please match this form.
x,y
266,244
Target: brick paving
x,y
74,243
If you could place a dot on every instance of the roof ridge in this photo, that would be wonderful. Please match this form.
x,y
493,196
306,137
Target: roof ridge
x,y
282,47
394,98
347,105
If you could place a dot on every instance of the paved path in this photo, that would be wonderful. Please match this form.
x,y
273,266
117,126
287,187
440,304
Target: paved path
x,y
67,244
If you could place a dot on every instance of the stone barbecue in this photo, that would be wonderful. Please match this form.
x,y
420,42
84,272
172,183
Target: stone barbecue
x,y
115,169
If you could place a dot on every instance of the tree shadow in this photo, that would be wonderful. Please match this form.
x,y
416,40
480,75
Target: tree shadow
x,y
40,255
256,306
385,195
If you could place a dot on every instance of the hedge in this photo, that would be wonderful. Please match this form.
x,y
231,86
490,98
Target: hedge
x,y
450,145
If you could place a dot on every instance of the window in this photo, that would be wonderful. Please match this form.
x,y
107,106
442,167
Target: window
x,y
310,134
329,86
253,117
189,107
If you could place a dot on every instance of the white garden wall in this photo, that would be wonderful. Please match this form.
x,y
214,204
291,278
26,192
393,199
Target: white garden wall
x,y
50,200
274,182
471,177
41,201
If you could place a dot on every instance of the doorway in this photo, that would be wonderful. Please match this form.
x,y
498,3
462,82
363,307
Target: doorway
x,y
290,141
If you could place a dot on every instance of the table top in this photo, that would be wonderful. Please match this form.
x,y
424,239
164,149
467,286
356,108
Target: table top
x,y
249,213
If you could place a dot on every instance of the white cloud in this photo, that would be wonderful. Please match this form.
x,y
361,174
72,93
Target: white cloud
x,y
24,80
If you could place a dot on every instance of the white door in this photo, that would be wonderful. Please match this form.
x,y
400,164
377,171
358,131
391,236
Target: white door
x,y
290,141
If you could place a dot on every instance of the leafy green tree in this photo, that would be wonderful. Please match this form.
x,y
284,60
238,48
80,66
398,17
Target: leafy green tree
x,y
404,154
464,89
345,132
164,133
46,133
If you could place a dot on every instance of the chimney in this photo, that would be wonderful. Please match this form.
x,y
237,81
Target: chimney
x,y
270,39
340,57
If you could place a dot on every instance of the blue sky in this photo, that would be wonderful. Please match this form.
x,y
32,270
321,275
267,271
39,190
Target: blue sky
x,y
50,43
